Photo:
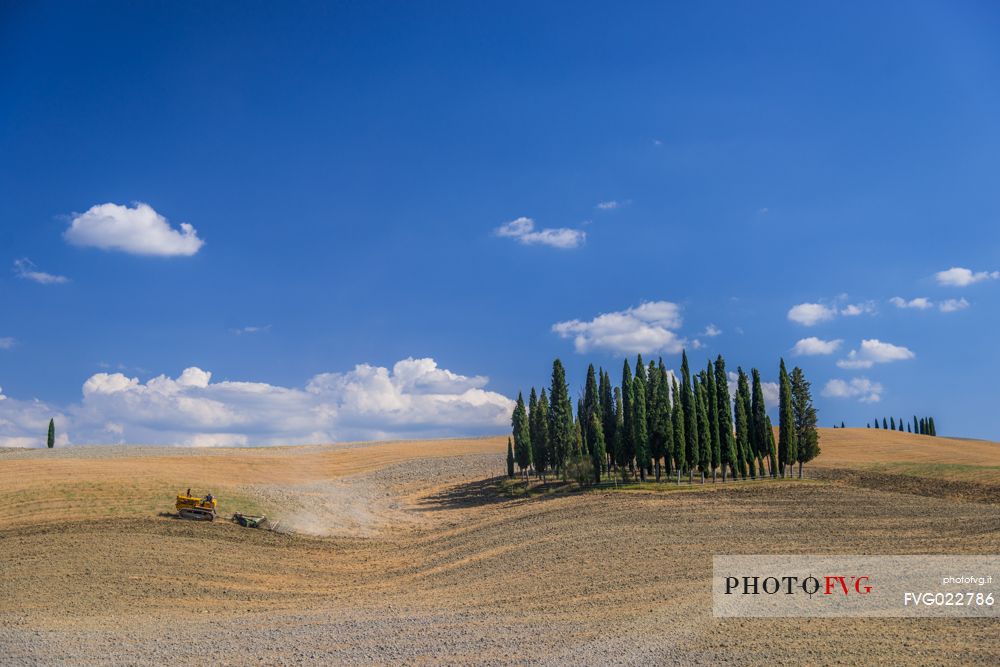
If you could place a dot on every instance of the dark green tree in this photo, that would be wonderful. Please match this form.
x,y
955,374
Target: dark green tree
x,y
50,441
915,424
805,419
787,435
591,404
876,423
712,403
627,455
619,446
680,440
597,446
724,410
772,459
690,418
608,416
661,439
539,419
759,437
562,430
931,428
885,424
522,436
640,421
704,429
744,448
510,459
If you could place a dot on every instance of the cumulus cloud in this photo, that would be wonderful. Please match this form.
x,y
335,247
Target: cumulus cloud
x,y
960,277
874,351
919,303
26,269
7,342
769,389
523,231
952,305
813,346
647,328
138,230
861,388
415,398
711,331
811,314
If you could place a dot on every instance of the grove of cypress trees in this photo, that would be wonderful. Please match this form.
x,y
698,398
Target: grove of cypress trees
x,y
727,443
759,441
787,441
680,440
522,435
807,436
50,440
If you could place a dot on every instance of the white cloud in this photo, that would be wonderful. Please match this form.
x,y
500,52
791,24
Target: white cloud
x,y
809,314
919,303
649,327
874,351
523,231
711,331
25,268
608,205
415,398
138,230
769,389
862,389
959,277
251,330
812,346
952,305
854,309
7,342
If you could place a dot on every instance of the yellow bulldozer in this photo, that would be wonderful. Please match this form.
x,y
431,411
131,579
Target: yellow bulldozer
x,y
196,508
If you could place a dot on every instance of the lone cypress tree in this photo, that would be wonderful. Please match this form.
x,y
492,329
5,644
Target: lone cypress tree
x,y
50,441
522,436
562,430
805,419
787,440
639,421
597,446
627,454
712,405
690,418
539,418
727,442
744,427
759,438
510,459
680,440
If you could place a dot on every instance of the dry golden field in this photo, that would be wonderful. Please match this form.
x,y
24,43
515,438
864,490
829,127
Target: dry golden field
x,y
407,553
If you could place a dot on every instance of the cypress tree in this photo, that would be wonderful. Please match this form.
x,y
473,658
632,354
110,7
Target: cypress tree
x,y
607,417
876,423
900,423
619,446
914,424
522,436
50,440
627,455
663,432
892,424
562,433
712,405
656,432
759,441
597,446
680,440
885,424
704,429
540,435
908,427
787,441
591,405
652,384
807,437
744,446
639,421
727,443
772,450
580,446
690,417
931,428
510,459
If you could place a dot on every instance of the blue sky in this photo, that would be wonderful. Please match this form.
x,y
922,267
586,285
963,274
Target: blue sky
x,y
350,173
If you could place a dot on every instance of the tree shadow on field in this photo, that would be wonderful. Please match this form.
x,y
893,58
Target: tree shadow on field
x,y
478,493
